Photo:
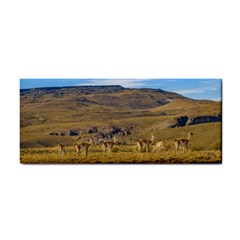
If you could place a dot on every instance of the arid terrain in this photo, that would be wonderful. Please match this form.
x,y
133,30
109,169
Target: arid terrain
x,y
49,116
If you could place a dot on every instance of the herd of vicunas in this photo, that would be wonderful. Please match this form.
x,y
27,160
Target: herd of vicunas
x,y
141,144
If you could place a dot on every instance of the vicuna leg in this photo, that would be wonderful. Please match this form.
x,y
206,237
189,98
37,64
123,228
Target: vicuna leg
x,y
139,146
110,148
105,147
176,146
62,152
61,149
86,151
185,147
78,148
147,148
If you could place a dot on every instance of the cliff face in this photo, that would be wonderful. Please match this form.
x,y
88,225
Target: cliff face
x,y
185,120
204,119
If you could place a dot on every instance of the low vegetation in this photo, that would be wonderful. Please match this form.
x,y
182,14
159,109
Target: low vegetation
x,y
119,155
204,147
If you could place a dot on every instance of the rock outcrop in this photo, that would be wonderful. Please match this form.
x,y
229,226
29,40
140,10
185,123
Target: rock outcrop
x,y
185,120
99,132
204,119
180,122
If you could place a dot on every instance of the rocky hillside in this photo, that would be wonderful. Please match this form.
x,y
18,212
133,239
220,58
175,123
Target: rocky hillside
x,y
110,96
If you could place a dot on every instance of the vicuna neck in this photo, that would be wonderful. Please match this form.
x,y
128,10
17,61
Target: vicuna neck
x,y
152,138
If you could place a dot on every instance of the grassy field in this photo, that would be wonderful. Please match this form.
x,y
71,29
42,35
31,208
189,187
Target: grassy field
x,y
204,147
120,154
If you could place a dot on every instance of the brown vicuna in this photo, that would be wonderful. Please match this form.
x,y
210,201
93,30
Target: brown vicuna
x,y
85,145
145,143
182,142
61,149
109,143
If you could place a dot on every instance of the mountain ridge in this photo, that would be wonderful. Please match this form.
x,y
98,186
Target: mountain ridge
x,y
68,87
104,95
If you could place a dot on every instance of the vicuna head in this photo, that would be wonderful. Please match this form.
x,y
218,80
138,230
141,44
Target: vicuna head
x,y
189,135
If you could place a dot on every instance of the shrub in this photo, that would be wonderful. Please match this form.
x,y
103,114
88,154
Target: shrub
x,y
216,146
115,149
196,148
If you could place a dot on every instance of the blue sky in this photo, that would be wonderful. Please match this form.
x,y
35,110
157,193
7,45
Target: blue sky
x,y
192,88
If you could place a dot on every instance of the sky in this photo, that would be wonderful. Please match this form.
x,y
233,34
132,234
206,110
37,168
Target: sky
x,y
210,89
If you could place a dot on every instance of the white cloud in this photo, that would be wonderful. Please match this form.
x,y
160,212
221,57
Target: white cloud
x,y
128,83
218,99
197,90
187,91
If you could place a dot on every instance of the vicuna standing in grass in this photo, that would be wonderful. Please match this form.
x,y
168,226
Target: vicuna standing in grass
x,y
61,149
182,142
85,145
109,144
145,142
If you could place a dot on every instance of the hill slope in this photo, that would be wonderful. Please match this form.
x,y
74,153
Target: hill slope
x,y
111,96
47,110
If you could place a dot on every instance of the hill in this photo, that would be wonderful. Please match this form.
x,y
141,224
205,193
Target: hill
x,y
52,115
111,96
